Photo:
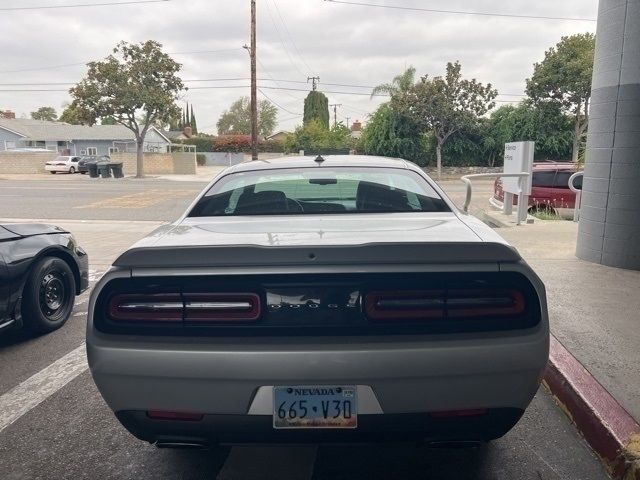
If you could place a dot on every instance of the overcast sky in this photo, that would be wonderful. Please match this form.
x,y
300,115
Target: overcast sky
x,y
343,44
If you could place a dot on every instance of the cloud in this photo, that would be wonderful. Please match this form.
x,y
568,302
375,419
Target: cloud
x,y
296,38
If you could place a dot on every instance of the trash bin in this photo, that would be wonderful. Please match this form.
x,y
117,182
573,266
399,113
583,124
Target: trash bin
x,y
104,170
116,168
93,170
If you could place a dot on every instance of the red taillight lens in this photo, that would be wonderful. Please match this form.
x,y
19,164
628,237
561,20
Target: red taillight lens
x,y
190,307
479,303
221,307
405,305
439,304
180,416
153,307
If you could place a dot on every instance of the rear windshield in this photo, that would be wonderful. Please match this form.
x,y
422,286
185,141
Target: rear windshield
x,y
319,191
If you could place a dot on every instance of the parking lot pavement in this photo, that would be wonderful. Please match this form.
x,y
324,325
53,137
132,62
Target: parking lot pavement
x,y
55,425
73,435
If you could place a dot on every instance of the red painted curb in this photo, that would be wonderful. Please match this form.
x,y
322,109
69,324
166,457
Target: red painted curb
x,y
607,427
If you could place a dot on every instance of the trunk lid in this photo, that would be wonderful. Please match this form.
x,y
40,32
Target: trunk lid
x,y
396,238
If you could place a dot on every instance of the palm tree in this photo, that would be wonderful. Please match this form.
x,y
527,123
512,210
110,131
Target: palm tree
x,y
400,83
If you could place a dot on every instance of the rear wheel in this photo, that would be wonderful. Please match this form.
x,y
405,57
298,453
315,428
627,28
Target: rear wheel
x,y
72,170
48,295
53,173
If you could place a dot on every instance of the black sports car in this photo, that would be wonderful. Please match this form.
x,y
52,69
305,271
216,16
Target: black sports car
x,y
42,269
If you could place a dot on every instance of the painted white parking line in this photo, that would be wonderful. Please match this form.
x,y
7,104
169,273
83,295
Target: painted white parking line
x,y
267,462
37,388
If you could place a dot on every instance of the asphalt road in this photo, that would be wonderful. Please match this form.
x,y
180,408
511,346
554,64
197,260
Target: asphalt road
x,y
55,425
83,198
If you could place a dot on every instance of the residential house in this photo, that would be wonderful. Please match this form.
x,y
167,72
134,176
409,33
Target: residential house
x,y
279,136
20,134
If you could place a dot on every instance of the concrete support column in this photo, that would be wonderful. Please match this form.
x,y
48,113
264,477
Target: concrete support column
x,y
609,228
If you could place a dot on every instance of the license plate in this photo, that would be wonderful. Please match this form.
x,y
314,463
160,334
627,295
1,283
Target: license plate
x,y
322,406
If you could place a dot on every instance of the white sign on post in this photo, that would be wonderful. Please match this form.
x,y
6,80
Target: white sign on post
x,y
518,158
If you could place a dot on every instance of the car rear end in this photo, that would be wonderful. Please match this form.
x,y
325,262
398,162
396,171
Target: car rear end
x,y
60,164
449,346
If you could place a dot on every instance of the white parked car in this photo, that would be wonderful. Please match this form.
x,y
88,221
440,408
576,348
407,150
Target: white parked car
x,y
316,300
62,164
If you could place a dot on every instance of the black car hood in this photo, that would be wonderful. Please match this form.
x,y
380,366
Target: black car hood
x,y
30,229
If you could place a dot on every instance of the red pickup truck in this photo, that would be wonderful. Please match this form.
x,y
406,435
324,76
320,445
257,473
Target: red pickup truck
x,y
550,190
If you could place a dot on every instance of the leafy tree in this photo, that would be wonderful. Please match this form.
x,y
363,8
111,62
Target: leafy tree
x,y
108,121
237,120
71,115
316,107
137,85
445,105
315,138
194,126
400,83
392,135
564,78
45,113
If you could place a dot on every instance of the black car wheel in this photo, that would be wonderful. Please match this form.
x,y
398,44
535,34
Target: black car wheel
x,y
48,295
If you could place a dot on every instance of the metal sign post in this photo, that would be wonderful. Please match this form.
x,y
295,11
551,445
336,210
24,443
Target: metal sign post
x,y
518,158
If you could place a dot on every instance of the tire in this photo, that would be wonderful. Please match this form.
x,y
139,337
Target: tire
x,y
72,170
48,296
53,173
83,173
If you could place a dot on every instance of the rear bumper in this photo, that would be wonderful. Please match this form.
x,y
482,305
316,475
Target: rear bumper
x,y
239,429
56,168
406,377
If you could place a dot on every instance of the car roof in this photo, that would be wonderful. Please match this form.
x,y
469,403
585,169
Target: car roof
x,y
308,161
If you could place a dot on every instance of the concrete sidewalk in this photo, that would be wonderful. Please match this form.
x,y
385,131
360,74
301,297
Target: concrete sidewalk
x,y
594,310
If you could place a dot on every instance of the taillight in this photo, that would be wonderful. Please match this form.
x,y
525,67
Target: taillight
x,y
167,308
149,307
405,305
434,304
474,303
221,307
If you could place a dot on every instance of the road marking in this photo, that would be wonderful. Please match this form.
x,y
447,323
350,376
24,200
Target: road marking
x,y
37,388
267,462
140,200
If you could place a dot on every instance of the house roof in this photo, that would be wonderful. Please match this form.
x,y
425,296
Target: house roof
x,y
55,131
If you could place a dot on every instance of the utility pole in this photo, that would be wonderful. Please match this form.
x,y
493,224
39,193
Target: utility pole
x,y
335,113
313,82
348,118
254,86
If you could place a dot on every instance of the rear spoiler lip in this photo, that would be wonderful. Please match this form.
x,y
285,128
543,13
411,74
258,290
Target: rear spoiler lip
x,y
339,255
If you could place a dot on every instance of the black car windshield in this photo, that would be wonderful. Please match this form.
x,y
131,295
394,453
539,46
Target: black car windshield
x,y
307,191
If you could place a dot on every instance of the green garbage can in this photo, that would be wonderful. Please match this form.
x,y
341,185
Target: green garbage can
x,y
93,169
116,168
104,170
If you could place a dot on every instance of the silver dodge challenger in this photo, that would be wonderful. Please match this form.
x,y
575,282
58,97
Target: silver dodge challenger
x,y
335,299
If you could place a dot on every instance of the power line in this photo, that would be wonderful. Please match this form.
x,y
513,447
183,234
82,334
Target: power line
x,y
228,87
286,29
460,12
284,46
275,103
78,5
64,65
